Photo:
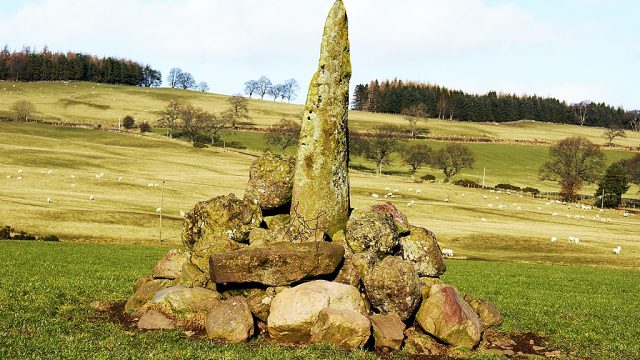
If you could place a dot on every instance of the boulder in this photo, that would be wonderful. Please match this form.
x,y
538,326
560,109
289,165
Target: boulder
x,y
388,331
371,231
445,315
294,311
170,266
277,221
192,276
230,321
260,302
276,264
420,247
154,320
262,237
218,225
270,181
348,274
347,329
392,285
486,311
400,219
418,343
144,292
182,300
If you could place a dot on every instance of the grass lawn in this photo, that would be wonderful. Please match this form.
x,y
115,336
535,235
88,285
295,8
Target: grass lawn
x,y
46,289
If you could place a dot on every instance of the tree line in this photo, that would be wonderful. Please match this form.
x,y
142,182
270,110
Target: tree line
x,y
29,65
399,97
184,80
288,90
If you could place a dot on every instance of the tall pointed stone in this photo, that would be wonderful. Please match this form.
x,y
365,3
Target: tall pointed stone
x,y
320,199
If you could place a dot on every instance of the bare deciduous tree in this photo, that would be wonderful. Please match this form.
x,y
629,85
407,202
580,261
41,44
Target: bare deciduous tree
x,y
613,133
283,134
378,147
173,77
22,109
263,86
416,155
451,159
413,114
250,87
238,110
169,116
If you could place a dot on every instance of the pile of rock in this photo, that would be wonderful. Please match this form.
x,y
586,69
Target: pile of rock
x,y
246,270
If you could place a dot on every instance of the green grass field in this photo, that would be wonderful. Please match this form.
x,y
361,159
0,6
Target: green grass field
x,y
580,296
46,290
125,211
91,103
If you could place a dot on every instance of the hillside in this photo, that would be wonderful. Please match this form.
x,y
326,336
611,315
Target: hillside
x,y
124,209
91,103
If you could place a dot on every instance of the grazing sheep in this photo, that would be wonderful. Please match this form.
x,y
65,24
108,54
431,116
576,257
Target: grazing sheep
x,y
158,210
626,214
447,252
92,197
554,214
617,250
484,196
387,188
501,206
375,196
8,176
490,205
446,200
101,174
155,184
182,213
150,185
48,200
396,190
20,171
418,191
410,189
519,208
574,239
483,220
73,185
538,207
554,239
120,178
97,177
462,194
19,178
49,172
72,176
548,203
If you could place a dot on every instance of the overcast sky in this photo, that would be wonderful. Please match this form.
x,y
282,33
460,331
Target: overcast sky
x,y
569,49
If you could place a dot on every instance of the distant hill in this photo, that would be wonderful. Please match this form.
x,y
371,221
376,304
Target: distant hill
x,y
102,104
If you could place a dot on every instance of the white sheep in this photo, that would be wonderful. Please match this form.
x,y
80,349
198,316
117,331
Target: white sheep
x,y
484,196
396,190
120,178
182,213
387,188
8,176
501,206
375,196
20,171
483,220
48,200
447,252
91,198
410,189
150,185
554,239
73,185
97,177
490,205
49,172
626,214
159,210
519,208
617,250
446,200
72,176
19,178
554,214
418,191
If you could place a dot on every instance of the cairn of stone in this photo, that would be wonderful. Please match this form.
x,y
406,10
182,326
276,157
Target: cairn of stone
x,y
290,262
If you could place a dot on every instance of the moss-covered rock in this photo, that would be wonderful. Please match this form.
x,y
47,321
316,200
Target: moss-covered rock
x,y
347,329
392,285
230,321
372,231
270,181
144,291
421,248
488,313
277,264
170,266
219,225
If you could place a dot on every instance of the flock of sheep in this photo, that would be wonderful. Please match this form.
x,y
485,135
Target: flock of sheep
x,y
496,194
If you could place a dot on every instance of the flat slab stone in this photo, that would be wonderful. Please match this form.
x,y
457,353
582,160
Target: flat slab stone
x,y
278,264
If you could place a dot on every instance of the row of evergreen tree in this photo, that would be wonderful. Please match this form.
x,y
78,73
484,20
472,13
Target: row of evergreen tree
x,y
397,97
28,65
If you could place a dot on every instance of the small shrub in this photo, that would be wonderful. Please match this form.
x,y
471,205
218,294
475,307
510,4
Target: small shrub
x,y
128,122
50,238
508,187
5,233
428,177
467,183
145,127
531,190
235,145
23,236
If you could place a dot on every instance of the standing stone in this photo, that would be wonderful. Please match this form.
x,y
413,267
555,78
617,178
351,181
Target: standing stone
x,y
321,181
